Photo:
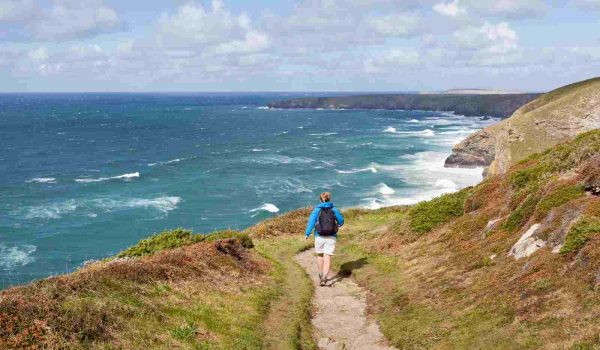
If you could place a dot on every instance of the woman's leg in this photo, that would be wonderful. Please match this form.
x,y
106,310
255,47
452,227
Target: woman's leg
x,y
320,262
326,265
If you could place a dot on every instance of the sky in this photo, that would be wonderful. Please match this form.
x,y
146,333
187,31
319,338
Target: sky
x,y
302,45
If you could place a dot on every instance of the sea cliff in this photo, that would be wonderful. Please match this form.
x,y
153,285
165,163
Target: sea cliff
x,y
492,105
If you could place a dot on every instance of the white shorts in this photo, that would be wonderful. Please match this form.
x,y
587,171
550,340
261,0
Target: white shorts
x,y
325,245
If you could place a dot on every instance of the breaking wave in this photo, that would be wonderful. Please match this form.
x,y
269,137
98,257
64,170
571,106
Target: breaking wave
x,y
43,180
13,256
125,177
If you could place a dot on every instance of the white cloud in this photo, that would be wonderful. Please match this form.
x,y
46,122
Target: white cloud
x,y
39,54
211,31
16,10
62,20
588,4
450,9
392,60
493,38
507,8
394,24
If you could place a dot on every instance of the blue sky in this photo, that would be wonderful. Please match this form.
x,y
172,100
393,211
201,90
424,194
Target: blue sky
x,y
303,45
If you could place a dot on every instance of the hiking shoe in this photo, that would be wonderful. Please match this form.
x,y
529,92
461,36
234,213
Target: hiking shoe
x,y
323,281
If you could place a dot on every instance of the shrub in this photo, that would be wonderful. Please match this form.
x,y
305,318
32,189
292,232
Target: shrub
x,y
559,197
179,238
580,233
521,214
426,216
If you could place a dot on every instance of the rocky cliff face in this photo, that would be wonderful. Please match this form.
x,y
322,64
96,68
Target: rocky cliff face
x,y
552,118
493,105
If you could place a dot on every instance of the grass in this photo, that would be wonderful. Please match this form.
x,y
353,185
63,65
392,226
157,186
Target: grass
x,y
288,324
580,233
518,217
179,237
426,216
559,197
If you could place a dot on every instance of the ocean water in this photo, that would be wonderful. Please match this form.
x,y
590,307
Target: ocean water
x,y
83,176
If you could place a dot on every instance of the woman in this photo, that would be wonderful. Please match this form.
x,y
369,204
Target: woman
x,y
325,219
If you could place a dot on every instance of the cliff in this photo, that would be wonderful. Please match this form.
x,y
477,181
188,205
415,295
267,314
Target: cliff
x,y
550,119
493,105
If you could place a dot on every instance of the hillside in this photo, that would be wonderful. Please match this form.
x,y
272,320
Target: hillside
x,y
511,263
493,105
552,118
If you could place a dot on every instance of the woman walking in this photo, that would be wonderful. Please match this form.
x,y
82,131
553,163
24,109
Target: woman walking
x,y
325,219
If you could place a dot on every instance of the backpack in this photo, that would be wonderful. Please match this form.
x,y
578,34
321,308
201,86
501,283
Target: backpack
x,y
327,224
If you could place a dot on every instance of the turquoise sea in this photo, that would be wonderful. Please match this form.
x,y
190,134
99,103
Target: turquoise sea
x,y
83,176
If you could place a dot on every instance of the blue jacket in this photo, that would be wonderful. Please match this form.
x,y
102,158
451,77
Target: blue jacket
x,y
314,216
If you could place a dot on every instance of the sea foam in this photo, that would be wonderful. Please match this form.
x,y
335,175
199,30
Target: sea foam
x,y
13,256
271,208
125,177
43,180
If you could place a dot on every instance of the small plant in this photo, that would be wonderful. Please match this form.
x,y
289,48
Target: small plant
x,y
519,215
559,197
580,233
426,216
185,332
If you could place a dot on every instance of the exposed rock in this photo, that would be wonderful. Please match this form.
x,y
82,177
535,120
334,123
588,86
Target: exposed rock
x,y
527,244
475,151
550,119
470,105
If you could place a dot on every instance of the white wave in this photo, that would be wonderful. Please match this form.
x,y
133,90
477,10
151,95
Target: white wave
x,y
43,180
13,256
125,177
271,208
90,207
390,129
385,189
262,107
428,133
357,170
413,121
323,134
260,149
48,211
279,159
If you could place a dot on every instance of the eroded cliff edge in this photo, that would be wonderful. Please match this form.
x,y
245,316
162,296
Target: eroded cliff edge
x,y
550,119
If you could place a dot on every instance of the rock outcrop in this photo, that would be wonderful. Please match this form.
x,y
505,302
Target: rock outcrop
x,y
552,118
492,105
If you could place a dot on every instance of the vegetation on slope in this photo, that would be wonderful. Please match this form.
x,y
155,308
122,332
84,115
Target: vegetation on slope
x,y
454,285
172,290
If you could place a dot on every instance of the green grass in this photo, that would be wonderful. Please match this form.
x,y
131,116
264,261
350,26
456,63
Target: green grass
x,y
521,214
179,237
426,216
559,197
288,323
580,233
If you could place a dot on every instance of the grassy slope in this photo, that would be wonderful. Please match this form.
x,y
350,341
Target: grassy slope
x,y
172,290
454,287
568,103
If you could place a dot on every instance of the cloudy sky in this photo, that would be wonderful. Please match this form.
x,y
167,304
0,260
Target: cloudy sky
x,y
302,45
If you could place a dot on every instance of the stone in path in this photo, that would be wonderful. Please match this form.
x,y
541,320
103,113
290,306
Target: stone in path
x,y
340,319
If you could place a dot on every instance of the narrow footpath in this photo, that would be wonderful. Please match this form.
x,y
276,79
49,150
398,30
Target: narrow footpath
x,y
340,319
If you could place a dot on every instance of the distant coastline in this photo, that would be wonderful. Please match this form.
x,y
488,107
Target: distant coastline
x,y
470,105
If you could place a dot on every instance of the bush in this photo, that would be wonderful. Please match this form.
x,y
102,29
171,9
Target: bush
x,y
521,214
426,216
178,238
559,197
580,233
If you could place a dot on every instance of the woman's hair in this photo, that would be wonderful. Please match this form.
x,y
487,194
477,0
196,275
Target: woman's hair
x,y
325,197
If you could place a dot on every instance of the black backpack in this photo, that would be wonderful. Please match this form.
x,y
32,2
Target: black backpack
x,y
327,224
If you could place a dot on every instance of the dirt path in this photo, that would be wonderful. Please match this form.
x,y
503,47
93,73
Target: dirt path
x,y
340,318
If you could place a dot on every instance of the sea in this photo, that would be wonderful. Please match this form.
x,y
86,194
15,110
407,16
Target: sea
x,y
83,176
